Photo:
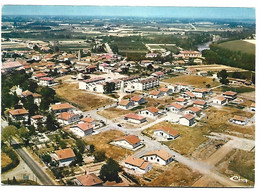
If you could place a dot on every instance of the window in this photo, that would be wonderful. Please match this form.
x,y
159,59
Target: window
x,y
157,160
151,158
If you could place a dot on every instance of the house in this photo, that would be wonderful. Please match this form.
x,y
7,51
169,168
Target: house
x,y
183,87
82,129
146,83
166,133
64,156
200,93
159,74
91,84
149,112
129,142
190,54
239,120
36,97
230,95
89,120
88,180
187,120
62,107
137,164
138,100
175,107
166,91
134,118
37,76
188,95
200,103
179,69
252,107
46,81
161,157
66,118
220,100
181,101
156,94
125,104
193,110
19,114
11,66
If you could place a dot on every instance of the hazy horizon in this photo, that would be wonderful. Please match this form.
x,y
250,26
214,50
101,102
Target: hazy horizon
x,y
131,11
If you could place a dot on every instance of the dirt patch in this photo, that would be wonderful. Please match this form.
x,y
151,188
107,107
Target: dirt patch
x,y
175,175
197,81
112,112
5,160
82,99
101,142
207,181
214,68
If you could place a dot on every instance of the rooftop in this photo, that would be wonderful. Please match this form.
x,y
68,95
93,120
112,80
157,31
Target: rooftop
x,y
65,153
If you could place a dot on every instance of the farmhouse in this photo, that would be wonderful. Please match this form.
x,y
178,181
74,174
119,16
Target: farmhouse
x,y
19,114
166,133
220,100
229,95
137,164
137,100
161,157
156,94
134,118
125,104
175,107
82,129
239,120
200,103
88,180
64,156
62,107
128,142
66,118
193,110
187,120
149,112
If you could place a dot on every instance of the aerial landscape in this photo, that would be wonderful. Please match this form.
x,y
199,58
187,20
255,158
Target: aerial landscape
x,y
128,96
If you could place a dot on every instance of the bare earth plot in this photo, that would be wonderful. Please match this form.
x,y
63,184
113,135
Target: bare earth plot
x,y
5,160
85,100
101,142
112,113
197,81
215,68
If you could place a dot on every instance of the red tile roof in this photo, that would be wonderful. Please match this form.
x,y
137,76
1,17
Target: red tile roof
x,y
89,180
180,99
160,153
65,153
14,64
87,119
132,139
154,92
152,109
168,130
66,115
177,106
18,112
164,89
194,109
61,106
134,161
134,116
124,102
199,102
239,118
37,117
136,98
190,94
230,93
188,116
47,79
84,126
40,75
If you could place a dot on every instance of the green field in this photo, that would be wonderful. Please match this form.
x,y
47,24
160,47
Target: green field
x,y
239,45
236,89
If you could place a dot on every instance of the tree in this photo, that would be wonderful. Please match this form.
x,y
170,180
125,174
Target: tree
x,y
208,85
222,75
62,144
91,149
51,122
81,145
46,158
99,156
109,87
24,133
109,171
8,132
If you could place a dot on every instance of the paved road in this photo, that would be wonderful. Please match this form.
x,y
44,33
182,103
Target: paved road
x,y
108,49
37,170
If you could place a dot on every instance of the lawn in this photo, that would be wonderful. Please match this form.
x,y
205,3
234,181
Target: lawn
x,y
239,45
197,81
5,160
112,112
84,100
101,142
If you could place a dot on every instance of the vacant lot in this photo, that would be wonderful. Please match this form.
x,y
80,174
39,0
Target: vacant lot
x,y
238,89
190,137
175,174
84,100
215,68
101,142
112,112
5,160
239,45
197,81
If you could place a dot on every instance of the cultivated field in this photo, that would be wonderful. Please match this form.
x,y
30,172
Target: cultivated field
x,y
101,142
84,100
215,68
197,81
239,45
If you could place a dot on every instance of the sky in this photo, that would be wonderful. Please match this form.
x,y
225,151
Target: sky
x,y
144,11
